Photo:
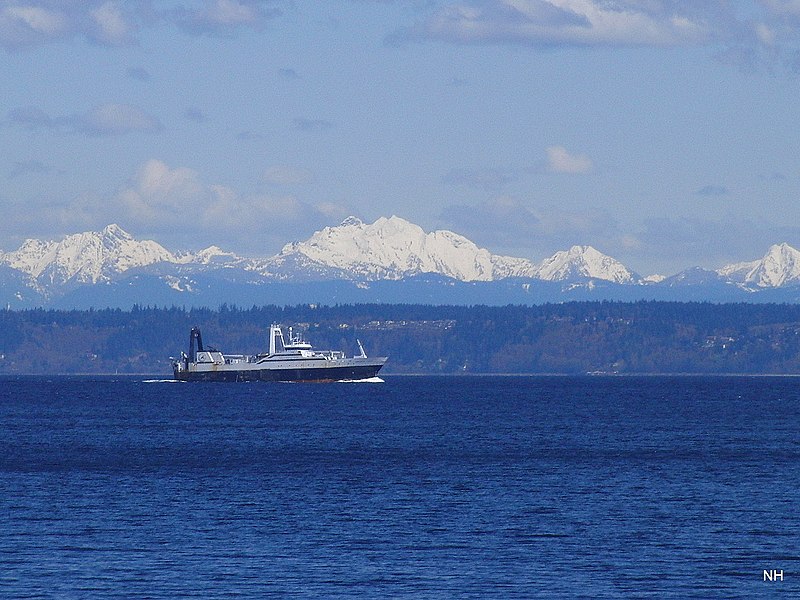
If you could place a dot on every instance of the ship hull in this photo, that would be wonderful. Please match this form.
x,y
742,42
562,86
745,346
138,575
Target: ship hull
x,y
361,370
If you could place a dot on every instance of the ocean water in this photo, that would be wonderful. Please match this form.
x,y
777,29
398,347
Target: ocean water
x,y
418,487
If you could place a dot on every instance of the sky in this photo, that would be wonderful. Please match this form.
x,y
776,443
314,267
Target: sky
x,y
662,132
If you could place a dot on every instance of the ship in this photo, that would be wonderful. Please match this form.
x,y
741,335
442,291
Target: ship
x,y
288,359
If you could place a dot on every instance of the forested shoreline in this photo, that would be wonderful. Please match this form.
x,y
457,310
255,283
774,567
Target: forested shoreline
x,y
570,338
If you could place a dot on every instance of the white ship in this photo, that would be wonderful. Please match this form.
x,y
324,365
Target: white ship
x,y
294,360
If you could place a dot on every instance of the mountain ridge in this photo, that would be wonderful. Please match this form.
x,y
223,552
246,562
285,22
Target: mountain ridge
x,y
390,253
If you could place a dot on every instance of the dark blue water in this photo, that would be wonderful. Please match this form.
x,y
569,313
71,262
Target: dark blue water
x,y
417,487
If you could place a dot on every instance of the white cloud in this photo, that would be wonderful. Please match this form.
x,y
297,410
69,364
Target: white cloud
x,y
115,22
566,22
222,17
36,18
110,24
765,34
28,24
168,200
559,160
230,12
159,184
751,34
160,195
734,29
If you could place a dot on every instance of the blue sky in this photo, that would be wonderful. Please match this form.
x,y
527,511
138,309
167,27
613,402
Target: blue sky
x,y
662,132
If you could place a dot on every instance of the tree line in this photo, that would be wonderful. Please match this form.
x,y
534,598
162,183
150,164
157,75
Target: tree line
x,y
576,337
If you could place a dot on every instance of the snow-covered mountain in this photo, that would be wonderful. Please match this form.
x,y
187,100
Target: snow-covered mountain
x,y
395,249
390,260
780,266
392,249
388,249
584,262
89,257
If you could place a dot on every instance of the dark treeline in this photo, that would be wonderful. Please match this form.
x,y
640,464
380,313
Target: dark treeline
x,y
579,337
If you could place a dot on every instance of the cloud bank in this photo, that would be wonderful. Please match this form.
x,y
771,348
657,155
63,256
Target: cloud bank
x,y
177,204
160,197
567,22
30,23
747,33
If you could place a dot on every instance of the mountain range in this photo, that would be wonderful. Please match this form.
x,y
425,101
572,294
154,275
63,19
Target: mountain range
x,y
390,260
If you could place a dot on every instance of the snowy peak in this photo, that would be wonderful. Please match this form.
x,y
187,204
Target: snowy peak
x,y
213,255
393,248
780,266
584,262
114,232
86,257
351,220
